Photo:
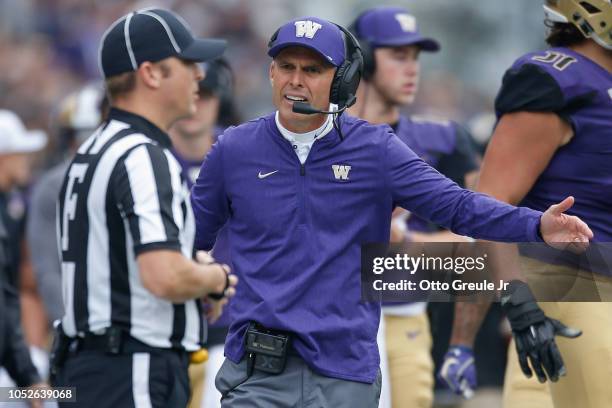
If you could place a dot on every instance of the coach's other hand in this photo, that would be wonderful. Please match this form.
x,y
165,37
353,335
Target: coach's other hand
x,y
458,371
534,333
564,231
224,284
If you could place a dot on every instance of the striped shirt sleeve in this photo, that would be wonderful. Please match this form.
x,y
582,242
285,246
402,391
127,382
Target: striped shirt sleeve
x,y
143,190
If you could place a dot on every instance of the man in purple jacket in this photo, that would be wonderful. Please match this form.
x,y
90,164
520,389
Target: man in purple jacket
x,y
300,193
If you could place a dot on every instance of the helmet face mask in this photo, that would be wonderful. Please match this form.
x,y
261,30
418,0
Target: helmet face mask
x,y
592,17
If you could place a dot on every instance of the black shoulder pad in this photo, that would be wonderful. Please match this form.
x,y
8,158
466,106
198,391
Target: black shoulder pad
x,y
529,88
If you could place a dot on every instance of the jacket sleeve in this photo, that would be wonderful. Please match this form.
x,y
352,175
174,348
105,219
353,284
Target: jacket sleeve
x,y
211,205
421,189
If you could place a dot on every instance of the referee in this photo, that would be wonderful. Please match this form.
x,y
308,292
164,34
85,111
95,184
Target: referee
x,y
126,228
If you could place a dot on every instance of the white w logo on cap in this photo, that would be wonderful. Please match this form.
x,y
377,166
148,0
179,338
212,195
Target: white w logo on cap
x,y
306,28
406,21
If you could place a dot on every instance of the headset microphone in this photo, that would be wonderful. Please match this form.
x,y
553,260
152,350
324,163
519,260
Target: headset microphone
x,y
307,109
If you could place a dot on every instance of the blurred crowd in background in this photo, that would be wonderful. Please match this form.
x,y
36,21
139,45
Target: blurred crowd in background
x,y
49,48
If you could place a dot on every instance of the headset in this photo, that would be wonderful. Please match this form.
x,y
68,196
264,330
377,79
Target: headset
x,y
219,78
346,79
220,81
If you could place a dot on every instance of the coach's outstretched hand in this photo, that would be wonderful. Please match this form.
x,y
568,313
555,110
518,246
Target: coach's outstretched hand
x,y
534,333
564,231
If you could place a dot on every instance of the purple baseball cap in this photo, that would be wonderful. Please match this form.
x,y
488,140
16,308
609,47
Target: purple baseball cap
x,y
392,27
315,33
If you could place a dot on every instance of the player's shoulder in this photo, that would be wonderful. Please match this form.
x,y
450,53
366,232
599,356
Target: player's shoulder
x,y
558,67
428,119
365,136
359,130
557,61
550,81
429,131
429,123
538,81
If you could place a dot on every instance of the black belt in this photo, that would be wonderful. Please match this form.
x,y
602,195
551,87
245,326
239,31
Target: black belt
x,y
113,341
117,341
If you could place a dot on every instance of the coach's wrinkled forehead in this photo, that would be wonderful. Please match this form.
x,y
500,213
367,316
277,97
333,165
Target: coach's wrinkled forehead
x,y
315,33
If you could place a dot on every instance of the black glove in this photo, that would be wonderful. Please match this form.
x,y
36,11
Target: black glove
x,y
534,333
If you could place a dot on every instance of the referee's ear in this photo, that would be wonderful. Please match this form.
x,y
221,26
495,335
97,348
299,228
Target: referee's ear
x,y
150,74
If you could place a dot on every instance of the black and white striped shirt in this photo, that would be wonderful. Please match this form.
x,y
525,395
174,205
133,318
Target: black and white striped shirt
x,y
124,194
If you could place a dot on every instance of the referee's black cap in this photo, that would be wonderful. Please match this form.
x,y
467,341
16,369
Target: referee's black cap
x,y
152,35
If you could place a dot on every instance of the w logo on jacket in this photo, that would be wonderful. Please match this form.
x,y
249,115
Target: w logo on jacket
x,y
341,171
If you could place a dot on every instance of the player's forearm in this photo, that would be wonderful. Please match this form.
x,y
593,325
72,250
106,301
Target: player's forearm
x,y
467,321
503,261
502,264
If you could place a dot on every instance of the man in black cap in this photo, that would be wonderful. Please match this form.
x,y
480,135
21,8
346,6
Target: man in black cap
x,y
126,229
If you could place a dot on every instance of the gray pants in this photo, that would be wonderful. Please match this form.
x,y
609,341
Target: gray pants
x,y
298,386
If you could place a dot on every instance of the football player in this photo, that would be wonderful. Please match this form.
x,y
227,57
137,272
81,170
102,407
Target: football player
x,y
553,139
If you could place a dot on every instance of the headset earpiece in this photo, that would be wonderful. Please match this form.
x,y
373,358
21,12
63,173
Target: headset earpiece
x,y
346,79
369,61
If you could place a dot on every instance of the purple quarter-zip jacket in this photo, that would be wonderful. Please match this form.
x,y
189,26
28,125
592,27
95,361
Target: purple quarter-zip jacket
x,y
296,231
